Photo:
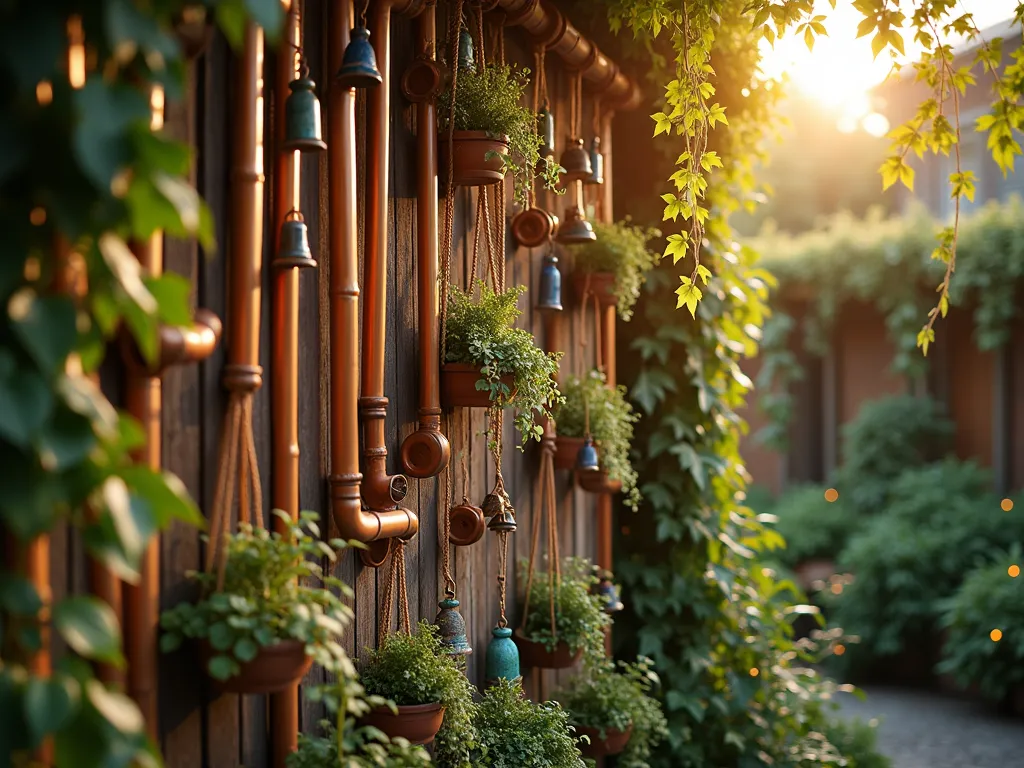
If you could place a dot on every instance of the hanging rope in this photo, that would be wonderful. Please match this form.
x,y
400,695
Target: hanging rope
x,y
395,583
548,513
502,568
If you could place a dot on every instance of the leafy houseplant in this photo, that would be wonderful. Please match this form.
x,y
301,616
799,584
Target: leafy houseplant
x,y
513,371
607,702
514,732
621,253
414,672
611,420
264,606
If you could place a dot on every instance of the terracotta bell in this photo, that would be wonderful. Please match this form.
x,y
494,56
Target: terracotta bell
x,y
550,293
359,64
576,230
596,163
467,56
576,161
609,593
303,128
586,458
452,628
546,130
533,227
502,660
504,521
293,250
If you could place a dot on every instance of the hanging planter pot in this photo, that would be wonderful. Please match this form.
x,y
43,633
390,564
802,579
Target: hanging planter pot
x,y
476,158
534,654
275,668
458,386
566,451
417,723
602,285
613,743
598,482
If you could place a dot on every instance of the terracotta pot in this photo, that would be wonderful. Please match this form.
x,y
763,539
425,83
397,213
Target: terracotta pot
x,y
602,285
566,449
418,723
598,482
612,743
458,386
471,167
533,654
274,669
533,227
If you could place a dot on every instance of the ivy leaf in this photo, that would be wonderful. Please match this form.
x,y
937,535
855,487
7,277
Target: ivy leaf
x,y
662,123
25,400
689,296
677,243
116,708
105,112
49,704
90,627
704,272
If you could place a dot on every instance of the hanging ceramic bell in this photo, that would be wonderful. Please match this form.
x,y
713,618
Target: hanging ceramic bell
x,y
546,130
596,163
586,458
609,593
550,293
492,504
293,248
576,162
452,628
303,128
467,56
502,661
576,229
359,64
504,521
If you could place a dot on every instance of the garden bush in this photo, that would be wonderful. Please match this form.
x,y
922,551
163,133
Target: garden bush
x,y
856,742
812,526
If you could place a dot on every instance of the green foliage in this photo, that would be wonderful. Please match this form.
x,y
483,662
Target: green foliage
x,y
988,599
480,332
856,741
414,669
621,249
516,733
611,424
812,527
779,370
611,697
266,599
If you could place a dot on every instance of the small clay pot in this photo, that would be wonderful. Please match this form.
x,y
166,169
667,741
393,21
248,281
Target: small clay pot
x,y
602,285
598,482
612,743
533,227
566,450
533,654
274,669
470,150
466,525
417,723
458,386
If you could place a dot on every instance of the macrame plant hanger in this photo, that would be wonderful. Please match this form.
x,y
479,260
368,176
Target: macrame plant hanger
x,y
395,586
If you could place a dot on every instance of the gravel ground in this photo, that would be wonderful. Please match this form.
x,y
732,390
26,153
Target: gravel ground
x,y
927,730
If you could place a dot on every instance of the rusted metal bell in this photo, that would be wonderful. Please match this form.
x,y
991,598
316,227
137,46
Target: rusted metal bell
x,y
503,521
294,244
467,56
576,161
609,593
576,230
546,130
359,64
550,293
502,661
596,163
586,457
303,129
452,628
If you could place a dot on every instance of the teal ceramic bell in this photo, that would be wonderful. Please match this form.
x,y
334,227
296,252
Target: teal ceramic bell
x,y
467,56
452,628
586,459
546,130
359,64
303,129
293,247
502,661
596,163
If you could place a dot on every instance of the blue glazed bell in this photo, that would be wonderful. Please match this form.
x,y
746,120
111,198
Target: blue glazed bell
x,y
359,64
596,163
609,593
502,661
452,628
302,124
467,56
293,250
546,131
550,294
586,459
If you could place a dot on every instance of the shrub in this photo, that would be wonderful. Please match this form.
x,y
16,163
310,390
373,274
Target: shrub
x,y
812,526
621,248
856,741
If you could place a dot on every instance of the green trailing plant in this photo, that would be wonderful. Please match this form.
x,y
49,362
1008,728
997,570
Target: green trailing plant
x,y
812,526
490,100
267,598
580,619
611,417
614,697
516,733
481,332
856,741
415,669
621,249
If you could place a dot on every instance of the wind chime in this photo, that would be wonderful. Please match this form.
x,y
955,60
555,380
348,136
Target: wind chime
x,y
359,62
587,458
578,168
596,178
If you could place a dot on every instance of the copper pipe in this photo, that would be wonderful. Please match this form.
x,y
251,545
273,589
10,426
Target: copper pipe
x,y
426,452
352,520
284,706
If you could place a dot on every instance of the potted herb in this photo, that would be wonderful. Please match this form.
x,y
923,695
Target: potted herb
x,y
611,420
514,732
493,133
432,696
261,630
613,267
613,707
489,363
579,618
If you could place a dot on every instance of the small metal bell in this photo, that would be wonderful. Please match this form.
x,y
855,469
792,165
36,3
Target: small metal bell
x,y
609,592
492,504
467,56
546,130
502,660
294,244
504,521
586,458
576,230
550,293
596,163
359,64
576,161
303,129
452,628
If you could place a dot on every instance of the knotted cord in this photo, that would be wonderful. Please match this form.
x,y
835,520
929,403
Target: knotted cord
x,y
548,512
395,583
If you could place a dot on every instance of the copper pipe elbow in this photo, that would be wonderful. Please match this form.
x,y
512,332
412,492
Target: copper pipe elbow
x,y
177,345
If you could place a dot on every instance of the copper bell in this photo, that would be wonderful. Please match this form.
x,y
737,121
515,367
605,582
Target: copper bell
x,y
576,162
596,163
576,230
294,244
359,63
